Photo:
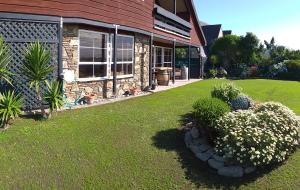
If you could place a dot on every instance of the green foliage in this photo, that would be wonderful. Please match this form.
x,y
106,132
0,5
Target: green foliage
x,y
212,73
267,134
242,102
208,110
226,50
5,59
36,68
293,70
10,106
54,96
222,73
226,92
249,49
214,60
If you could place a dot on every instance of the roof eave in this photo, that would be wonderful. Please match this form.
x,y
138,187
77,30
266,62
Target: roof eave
x,y
198,21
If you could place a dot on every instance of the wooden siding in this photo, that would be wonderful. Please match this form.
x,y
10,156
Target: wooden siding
x,y
132,13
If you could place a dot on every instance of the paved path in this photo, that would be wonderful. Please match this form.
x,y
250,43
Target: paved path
x,y
178,83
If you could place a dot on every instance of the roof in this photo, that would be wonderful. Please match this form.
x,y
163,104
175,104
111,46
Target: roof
x,y
227,32
199,23
211,32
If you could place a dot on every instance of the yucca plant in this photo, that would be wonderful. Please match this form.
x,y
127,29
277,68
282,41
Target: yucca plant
x,y
54,96
36,69
5,59
10,107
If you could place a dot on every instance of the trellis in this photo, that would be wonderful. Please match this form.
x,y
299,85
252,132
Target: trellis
x,y
18,34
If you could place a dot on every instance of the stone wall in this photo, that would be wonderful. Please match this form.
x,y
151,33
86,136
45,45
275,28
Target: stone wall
x,y
104,88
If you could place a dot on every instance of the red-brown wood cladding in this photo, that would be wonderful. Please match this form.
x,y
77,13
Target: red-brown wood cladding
x,y
132,13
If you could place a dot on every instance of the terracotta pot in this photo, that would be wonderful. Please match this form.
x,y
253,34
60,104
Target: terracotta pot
x,y
90,98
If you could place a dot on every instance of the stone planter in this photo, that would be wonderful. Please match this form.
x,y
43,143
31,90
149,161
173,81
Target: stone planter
x,y
198,144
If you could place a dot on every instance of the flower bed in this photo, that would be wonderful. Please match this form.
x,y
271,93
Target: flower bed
x,y
250,136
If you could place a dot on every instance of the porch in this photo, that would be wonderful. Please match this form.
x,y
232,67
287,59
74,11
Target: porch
x,y
174,62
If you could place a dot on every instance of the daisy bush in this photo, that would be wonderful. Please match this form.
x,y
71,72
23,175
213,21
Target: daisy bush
x,y
265,134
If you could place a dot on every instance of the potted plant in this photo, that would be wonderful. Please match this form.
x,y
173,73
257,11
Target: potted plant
x,y
133,91
90,98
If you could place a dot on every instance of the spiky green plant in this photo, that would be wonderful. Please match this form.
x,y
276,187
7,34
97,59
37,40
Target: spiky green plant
x,y
36,69
10,107
4,61
54,96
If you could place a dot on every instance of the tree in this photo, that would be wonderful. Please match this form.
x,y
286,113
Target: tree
x,y
226,49
36,68
249,48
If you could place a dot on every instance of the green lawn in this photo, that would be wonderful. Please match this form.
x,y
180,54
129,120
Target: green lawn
x,y
133,144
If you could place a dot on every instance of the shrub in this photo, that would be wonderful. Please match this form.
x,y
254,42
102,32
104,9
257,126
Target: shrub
x,y
212,73
277,70
10,107
208,111
264,135
293,70
222,73
242,102
54,96
226,92
37,68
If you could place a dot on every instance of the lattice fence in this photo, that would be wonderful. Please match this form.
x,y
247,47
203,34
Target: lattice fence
x,y
18,35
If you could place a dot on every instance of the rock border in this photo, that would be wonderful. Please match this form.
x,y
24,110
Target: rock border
x,y
204,152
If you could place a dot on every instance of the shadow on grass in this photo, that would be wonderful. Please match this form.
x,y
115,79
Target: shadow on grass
x,y
196,171
35,117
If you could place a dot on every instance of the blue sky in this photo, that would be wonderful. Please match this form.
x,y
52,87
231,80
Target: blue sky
x,y
265,18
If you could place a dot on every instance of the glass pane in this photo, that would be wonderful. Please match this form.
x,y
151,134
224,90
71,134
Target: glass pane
x,y
119,55
125,55
86,54
100,70
100,55
85,71
86,41
120,42
100,41
130,55
120,69
130,71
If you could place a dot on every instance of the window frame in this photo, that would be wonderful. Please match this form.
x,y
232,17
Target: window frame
x,y
162,56
123,62
107,62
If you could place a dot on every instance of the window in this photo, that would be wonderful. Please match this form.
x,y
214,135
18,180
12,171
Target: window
x,y
167,57
125,45
93,54
162,57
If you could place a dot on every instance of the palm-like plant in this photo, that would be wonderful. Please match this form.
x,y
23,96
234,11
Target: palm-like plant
x,y
36,68
10,107
4,61
54,96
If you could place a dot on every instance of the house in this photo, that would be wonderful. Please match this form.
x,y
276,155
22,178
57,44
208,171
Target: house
x,y
212,33
104,47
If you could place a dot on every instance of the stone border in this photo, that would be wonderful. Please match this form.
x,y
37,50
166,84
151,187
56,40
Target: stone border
x,y
204,152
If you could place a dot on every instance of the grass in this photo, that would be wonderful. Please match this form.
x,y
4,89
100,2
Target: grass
x,y
133,144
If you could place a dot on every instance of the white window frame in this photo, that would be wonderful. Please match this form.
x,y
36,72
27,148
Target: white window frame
x,y
162,56
94,63
121,62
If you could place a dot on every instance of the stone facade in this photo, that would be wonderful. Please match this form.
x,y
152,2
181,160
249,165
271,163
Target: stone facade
x,y
104,88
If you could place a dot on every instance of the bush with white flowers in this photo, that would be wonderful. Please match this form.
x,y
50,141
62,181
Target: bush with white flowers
x,y
265,134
